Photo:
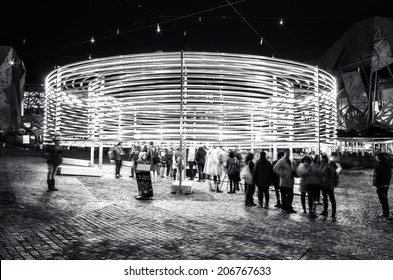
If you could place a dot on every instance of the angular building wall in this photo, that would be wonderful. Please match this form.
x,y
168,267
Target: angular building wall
x,y
12,80
361,60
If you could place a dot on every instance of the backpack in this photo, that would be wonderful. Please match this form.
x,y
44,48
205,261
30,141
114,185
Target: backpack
x,y
233,168
336,177
153,154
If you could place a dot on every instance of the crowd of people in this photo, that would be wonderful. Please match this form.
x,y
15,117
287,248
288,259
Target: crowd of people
x,y
215,165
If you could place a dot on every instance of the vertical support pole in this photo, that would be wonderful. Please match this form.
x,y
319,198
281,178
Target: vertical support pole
x,y
181,118
252,130
58,103
274,156
92,154
370,103
319,110
100,155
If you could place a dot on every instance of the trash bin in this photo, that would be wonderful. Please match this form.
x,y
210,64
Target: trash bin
x,y
143,180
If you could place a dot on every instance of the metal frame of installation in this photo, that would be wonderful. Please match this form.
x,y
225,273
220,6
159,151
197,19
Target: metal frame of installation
x,y
254,102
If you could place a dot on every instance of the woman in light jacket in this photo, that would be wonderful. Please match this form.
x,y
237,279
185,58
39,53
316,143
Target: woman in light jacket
x,y
308,183
285,169
212,168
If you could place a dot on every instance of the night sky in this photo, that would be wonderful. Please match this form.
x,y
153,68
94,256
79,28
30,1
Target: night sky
x,y
49,33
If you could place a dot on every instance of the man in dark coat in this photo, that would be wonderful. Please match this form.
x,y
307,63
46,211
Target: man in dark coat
x,y
263,177
381,180
200,158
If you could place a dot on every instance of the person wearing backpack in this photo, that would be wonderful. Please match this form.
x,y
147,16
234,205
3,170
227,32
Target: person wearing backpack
x,y
328,181
232,168
381,180
263,177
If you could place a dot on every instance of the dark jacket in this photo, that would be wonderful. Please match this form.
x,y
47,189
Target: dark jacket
x,y
54,154
200,156
118,152
382,174
327,175
263,173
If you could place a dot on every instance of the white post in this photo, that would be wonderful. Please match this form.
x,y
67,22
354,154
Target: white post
x,y
100,155
274,156
181,119
92,154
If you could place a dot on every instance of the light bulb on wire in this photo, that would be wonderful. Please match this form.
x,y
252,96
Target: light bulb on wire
x,y
158,28
92,40
281,21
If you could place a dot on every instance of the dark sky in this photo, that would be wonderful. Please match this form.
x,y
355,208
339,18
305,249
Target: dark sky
x,y
49,33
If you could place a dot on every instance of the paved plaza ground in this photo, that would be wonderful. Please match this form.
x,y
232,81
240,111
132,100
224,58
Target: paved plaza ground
x,y
99,218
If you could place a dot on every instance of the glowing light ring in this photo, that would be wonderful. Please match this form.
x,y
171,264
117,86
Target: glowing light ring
x,y
251,101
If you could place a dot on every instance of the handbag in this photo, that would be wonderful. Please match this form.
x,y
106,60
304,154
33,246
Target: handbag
x,y
246,175
156,159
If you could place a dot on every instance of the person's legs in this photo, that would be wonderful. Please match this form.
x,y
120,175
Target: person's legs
x,y
117,169
174,171
333,202
200,172
310,197
277,192
260,196
284,198
162,170
383,199
325,203
216,179
231,185
249,195
135,168
168,168
267,196
132,171
51,177
191,167
303,201
51,171
317,195
290,200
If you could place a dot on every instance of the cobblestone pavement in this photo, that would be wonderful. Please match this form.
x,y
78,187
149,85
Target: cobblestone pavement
x,y
99,218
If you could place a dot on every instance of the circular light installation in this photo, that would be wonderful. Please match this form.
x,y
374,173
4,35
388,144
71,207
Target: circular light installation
x,y
232,99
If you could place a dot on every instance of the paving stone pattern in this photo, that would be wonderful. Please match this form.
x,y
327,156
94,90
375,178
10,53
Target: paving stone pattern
x,y
99,218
